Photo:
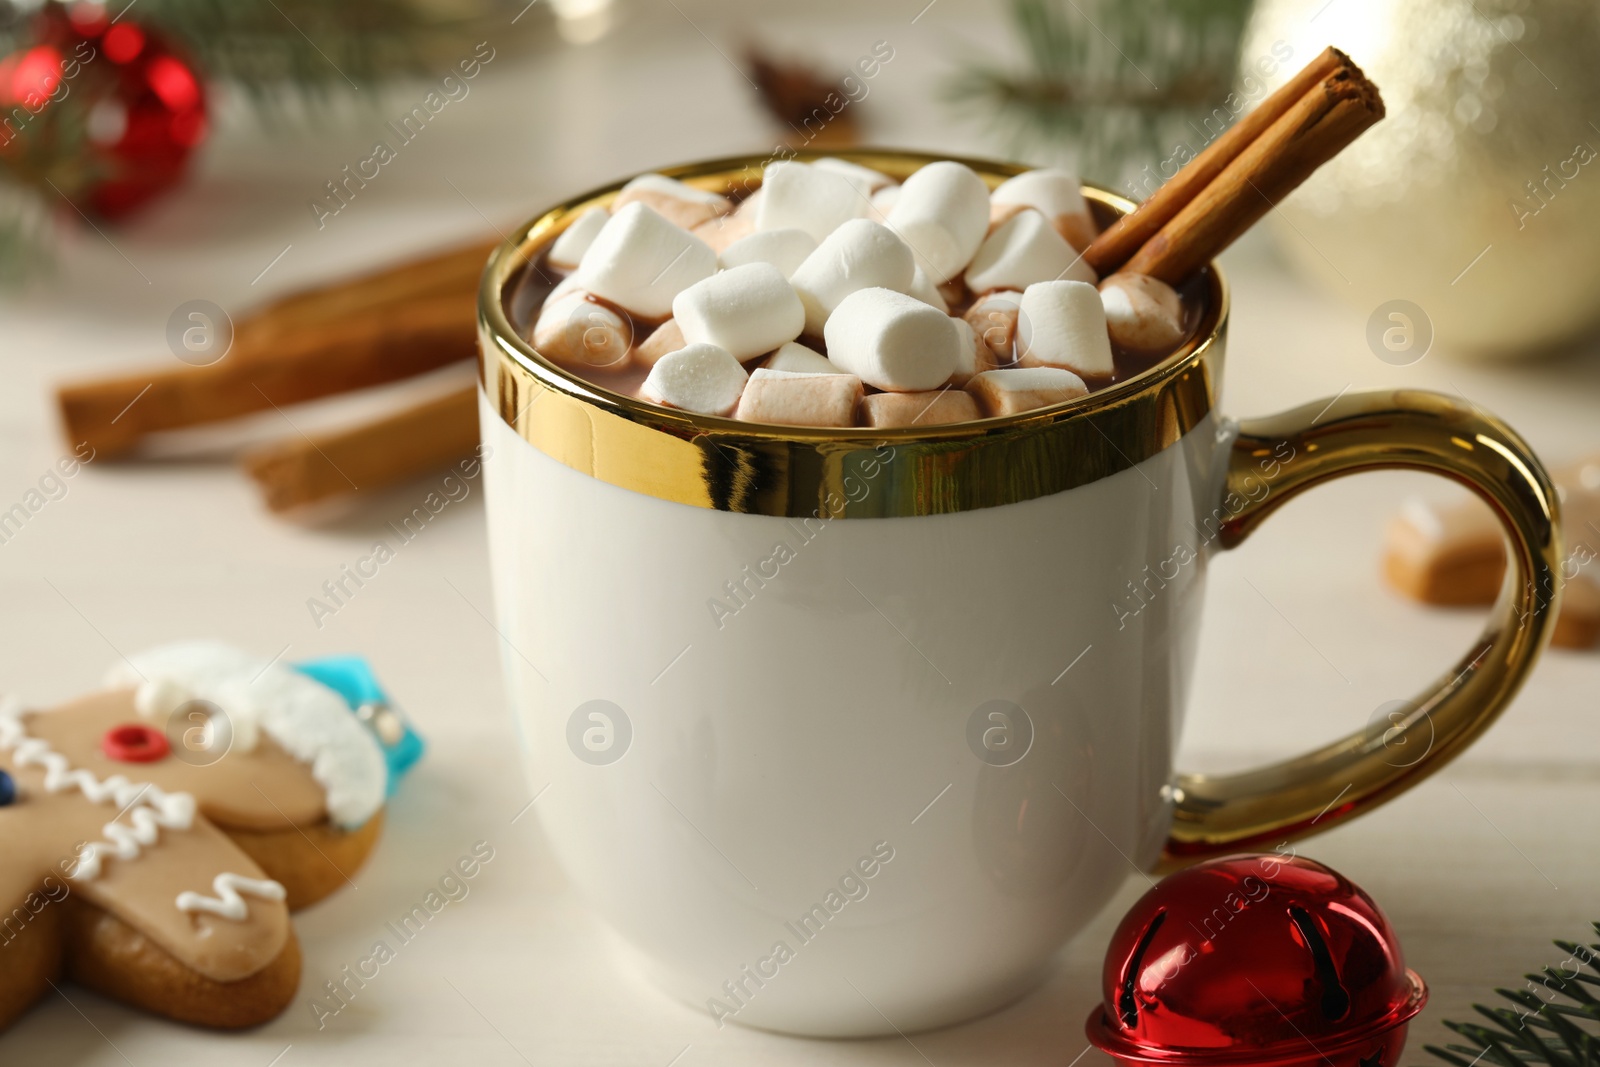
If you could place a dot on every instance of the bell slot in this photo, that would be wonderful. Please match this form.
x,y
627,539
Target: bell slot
x,y
1335,998
1128,1003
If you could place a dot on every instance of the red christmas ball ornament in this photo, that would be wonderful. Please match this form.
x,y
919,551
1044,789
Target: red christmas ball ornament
x,y
115,94
1261,960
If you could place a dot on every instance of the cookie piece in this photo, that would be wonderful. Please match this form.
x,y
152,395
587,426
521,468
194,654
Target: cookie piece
x,y
1451,554
33,958
1455,553
310,862
158,833
107,955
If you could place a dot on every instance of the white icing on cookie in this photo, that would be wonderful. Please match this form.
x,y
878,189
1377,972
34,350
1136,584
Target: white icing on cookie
x,y
124,842
310,721
228,904
148,808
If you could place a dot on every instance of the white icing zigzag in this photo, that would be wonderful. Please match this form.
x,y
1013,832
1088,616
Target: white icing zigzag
x,y
176,809
148,807
124,842
228,904
11,730
309,720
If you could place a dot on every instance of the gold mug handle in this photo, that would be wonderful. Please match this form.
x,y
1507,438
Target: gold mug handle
x,y
1216,814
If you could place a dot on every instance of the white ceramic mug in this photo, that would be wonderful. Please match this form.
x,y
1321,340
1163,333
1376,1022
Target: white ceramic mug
x,y
846,731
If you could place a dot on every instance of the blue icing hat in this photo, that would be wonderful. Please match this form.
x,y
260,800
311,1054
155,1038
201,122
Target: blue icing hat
x,y
352,679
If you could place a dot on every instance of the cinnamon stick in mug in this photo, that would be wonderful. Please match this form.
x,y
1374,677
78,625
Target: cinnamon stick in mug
x,y
1117,244
1312,131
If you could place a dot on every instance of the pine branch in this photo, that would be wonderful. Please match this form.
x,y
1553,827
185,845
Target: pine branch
x,y
311,47
24,238
306,48
1114,83
1558,1026
15,251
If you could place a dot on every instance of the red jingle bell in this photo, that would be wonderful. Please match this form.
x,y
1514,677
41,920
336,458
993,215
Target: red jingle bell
x,y
1263,960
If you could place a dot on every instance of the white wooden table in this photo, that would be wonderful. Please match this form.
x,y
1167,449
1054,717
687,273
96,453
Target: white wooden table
x,y
1479,868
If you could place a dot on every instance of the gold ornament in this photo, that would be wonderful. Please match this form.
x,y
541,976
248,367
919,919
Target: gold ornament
x,y
1478,197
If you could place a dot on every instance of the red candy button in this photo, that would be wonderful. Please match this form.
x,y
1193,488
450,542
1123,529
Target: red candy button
x,y
135,744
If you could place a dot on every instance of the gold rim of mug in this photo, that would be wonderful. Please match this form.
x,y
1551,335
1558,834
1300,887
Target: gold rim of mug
x,y
825,472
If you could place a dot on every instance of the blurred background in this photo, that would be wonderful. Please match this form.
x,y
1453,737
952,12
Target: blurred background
x,y
144,142
142,139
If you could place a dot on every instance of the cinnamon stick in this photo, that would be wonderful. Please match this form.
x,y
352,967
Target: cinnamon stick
x,y
1117,244
454,271
299,471
317,347
1313,130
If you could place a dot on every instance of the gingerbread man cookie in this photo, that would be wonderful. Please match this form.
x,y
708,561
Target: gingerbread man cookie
x,y
1455,553
157,834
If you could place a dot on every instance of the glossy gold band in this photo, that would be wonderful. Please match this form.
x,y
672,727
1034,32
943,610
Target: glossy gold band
x,y
735,466
1422,431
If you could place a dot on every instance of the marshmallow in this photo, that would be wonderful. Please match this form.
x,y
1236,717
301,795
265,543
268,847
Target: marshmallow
x,y
800,399
704,379
568,249
784,249
1063,324
640,261
800,196
892,341
1007,392
860,254
994,318
750,205
663,339
576,331
1055,194
1022,250
1142,312
925,291
942,212
918,409
973,357
883,202
867,179
725,230
999,213
677,202
748,311
566,285
1048,190
796,358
